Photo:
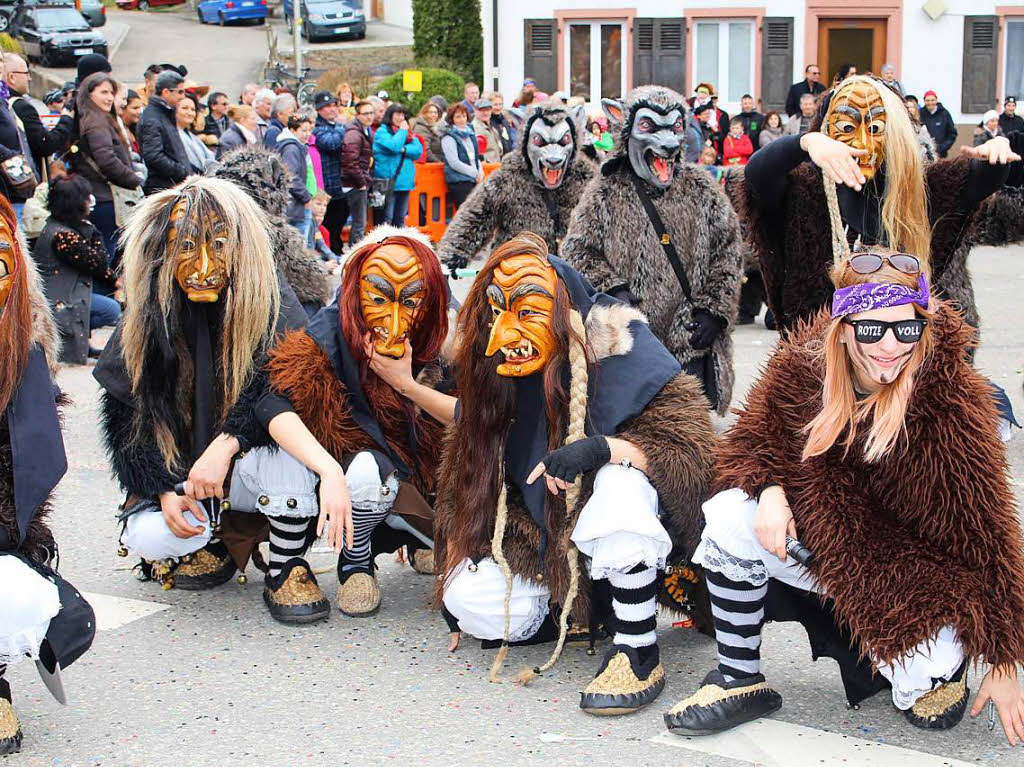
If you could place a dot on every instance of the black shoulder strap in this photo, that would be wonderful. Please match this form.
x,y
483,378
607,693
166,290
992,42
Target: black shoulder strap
x,y
556,220
664,237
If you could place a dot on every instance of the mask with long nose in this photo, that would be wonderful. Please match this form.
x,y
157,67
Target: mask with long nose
x,y
654,142
522,300
8,263
856,117
391,290
201,271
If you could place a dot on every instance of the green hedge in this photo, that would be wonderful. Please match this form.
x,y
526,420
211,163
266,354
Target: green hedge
x,y
10,45
435,82
450,30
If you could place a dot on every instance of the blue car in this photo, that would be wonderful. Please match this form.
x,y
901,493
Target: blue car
x,y
323,19
226,11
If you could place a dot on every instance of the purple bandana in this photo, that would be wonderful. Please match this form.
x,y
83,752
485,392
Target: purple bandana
x,y
878,295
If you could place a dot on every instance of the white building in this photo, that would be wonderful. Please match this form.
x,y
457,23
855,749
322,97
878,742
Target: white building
x,y
970,52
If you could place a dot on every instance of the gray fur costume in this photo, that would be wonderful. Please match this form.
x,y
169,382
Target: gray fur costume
x,y
262,174
510,200
612,242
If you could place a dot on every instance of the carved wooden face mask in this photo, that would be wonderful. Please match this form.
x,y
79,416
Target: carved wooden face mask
x,y
391,290
856,116
522,300
201,270
8,263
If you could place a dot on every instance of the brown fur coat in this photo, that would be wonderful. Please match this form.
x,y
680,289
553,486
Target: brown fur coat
x,y
794,249
301,371
675,433
926,537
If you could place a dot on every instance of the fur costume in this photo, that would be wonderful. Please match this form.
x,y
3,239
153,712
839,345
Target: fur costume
x,y
510,200
612,242
675,433
794,247
924,538
262,174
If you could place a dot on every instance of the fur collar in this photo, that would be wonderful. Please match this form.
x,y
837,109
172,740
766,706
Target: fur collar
x,y
608,331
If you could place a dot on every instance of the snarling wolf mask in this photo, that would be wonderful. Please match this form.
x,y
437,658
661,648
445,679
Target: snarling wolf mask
x,y
651,122
550,141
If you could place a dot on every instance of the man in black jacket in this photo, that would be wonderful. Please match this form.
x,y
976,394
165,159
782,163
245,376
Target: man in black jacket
x,y
939,123
810,84
1009,120
161,146
42,141
752,120
217,120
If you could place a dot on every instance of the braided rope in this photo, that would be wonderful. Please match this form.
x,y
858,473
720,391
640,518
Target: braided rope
x,y
501,518
840,247
578,379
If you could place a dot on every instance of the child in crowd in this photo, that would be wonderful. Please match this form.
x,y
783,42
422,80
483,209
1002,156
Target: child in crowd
x,y
708,159
736,149
317,239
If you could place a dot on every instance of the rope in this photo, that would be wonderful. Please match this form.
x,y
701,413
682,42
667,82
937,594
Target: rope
x,y
500,520
578,378
840,247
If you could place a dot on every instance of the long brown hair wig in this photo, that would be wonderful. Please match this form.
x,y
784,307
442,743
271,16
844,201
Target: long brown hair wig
x,y
15,317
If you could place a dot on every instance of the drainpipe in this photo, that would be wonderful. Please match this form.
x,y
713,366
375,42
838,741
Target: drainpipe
x,y
494,42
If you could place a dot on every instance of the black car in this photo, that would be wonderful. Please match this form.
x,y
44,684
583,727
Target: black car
x,y
7,9
53,34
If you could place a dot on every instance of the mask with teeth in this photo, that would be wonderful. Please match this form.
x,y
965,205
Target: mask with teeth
x,y
856,116
653,142
522,300
201,270
8,263
391,289
551,144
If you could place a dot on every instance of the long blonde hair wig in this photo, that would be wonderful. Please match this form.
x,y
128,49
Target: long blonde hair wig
x,y
250,300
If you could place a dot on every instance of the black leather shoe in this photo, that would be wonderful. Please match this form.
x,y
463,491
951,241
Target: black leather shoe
x,y
720,705
624,683
293,595
943,707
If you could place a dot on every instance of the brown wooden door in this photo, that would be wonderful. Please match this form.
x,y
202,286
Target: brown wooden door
x,y
850,41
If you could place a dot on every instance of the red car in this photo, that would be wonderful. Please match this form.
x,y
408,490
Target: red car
x,y
144,5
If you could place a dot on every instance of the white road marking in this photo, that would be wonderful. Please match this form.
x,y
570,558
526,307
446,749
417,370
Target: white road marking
x,y
114,612
772,743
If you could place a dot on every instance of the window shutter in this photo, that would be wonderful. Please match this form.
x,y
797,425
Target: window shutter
x,y
540,60
776,62
981,44
659,52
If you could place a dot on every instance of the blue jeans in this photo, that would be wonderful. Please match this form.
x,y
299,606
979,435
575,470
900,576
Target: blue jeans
x,y
105,220
396,207
19,209
103,312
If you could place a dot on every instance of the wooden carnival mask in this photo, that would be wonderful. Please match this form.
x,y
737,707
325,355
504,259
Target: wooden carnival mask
x,y
8,262
391,289
201,270
522,300
856,116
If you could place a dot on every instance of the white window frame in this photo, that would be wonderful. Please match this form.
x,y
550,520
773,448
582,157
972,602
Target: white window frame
x,y
594,100
722,86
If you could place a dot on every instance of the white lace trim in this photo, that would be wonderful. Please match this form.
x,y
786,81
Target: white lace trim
x,y
736,569
532,625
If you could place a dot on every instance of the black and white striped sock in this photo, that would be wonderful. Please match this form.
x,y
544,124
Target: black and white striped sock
x,y
738,609
634,606
364,521
287,540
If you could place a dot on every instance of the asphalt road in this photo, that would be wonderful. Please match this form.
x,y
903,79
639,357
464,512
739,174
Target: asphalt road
x,y
177,678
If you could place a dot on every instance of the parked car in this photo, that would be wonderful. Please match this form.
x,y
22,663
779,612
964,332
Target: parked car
x,y
225,11
145,5
52,34
328,18
93,10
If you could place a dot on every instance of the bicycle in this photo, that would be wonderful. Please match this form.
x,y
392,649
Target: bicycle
x,y
280,76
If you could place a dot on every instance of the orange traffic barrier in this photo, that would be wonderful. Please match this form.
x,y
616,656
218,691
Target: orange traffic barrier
x,y
428,204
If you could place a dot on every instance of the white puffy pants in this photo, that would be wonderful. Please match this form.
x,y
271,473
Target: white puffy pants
x,y
617,529
27,603
730,546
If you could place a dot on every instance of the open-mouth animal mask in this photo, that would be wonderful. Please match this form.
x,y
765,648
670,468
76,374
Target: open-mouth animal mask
x,y
550,146
856,116
654,142
8,263
522,300
391,289
201,270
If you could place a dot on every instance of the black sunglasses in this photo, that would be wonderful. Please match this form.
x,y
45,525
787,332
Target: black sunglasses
x,y
873,331
869,263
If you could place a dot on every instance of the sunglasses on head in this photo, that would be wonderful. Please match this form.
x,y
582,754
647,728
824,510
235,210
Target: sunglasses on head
x,y
869,263
873,331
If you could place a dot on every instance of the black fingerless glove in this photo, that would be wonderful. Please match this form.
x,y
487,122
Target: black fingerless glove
x,y
568,462
624,294
704,329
